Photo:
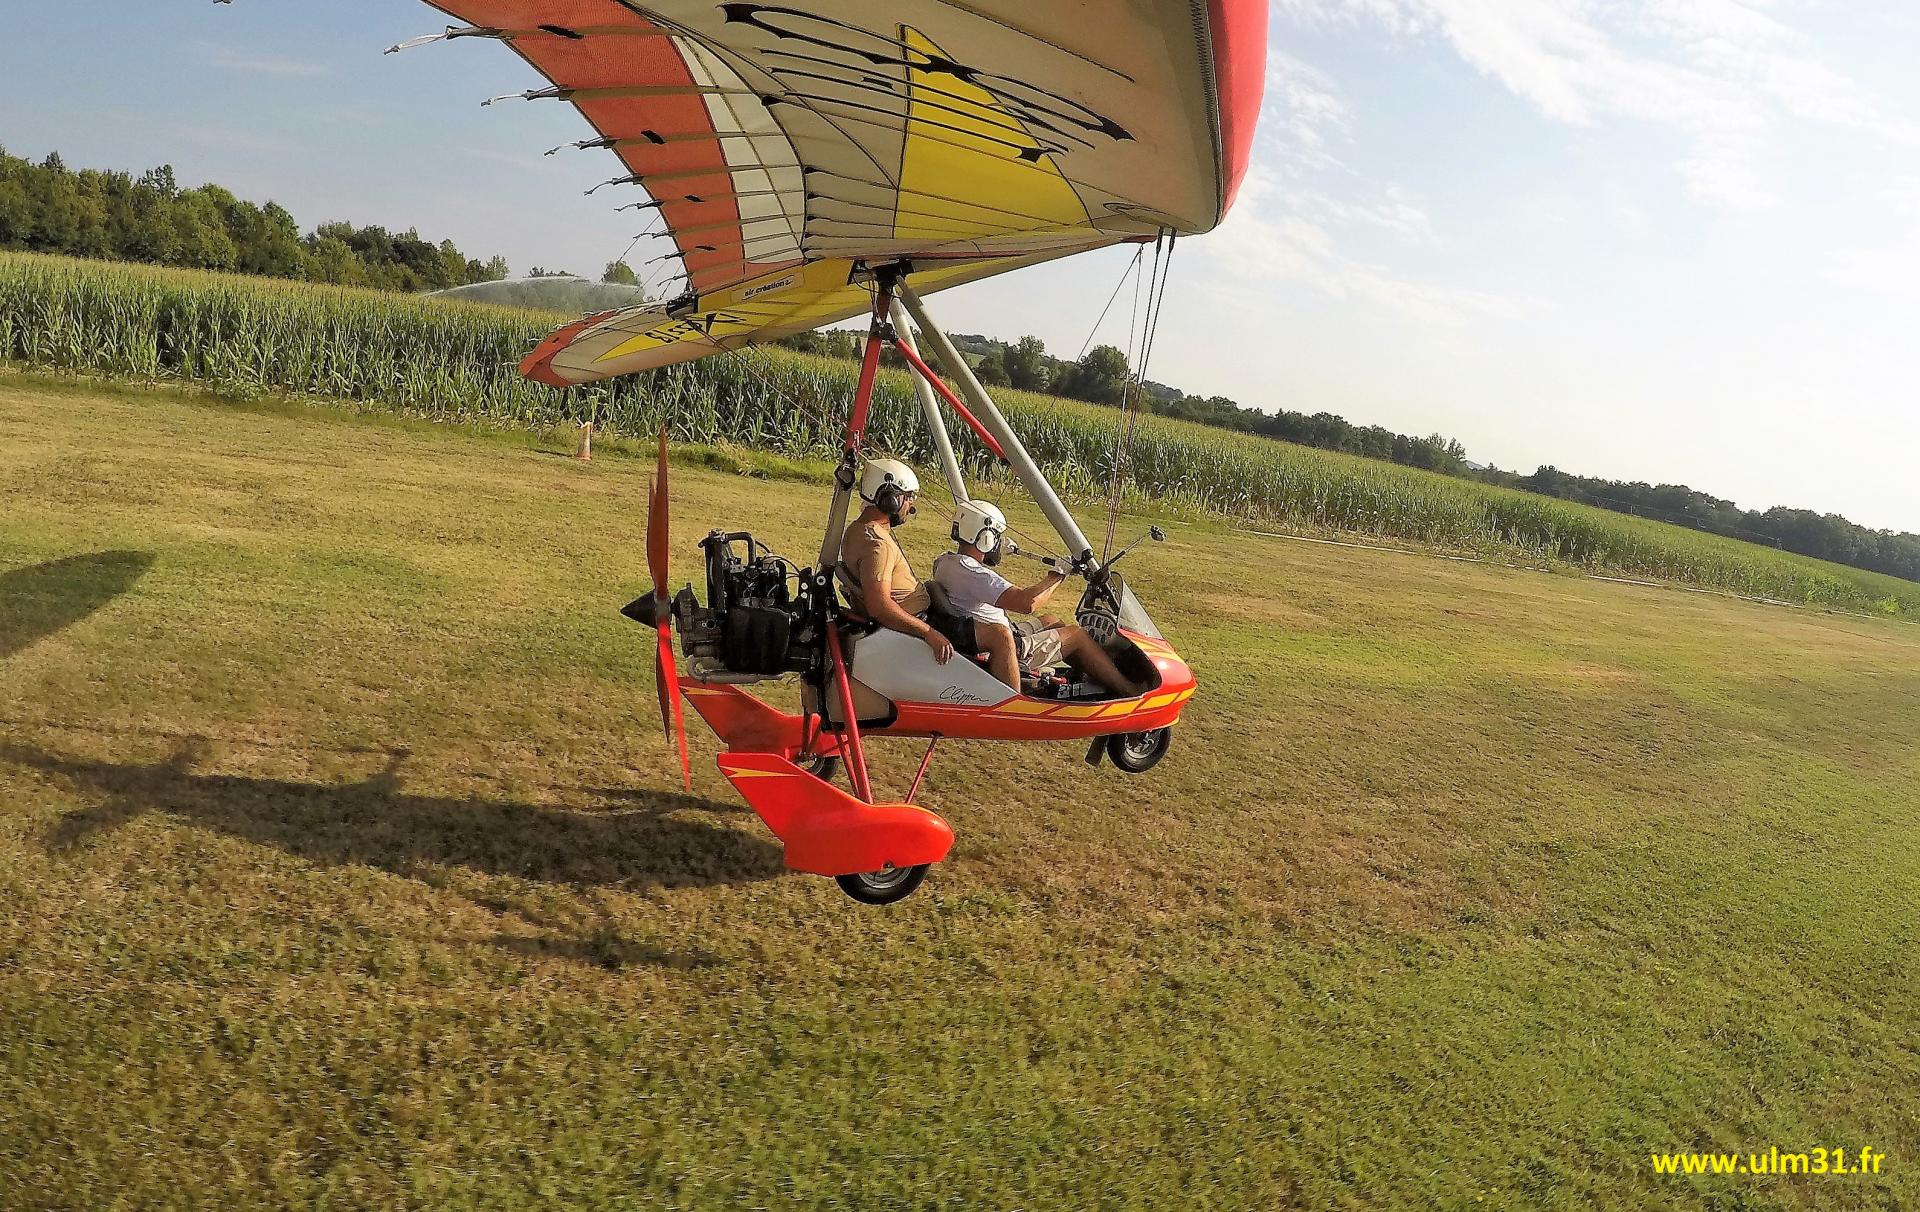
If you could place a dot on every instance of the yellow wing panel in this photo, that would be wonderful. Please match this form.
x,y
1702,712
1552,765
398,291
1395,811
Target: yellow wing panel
x,y
969,166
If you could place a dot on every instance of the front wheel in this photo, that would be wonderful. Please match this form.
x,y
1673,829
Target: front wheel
x,y
883,887
1138,752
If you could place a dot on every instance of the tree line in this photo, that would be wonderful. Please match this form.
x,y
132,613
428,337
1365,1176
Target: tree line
x,y
1101,376
48,207
1826,536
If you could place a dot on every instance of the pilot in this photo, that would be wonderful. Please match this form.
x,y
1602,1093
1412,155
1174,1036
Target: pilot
x,y
873,570
977,592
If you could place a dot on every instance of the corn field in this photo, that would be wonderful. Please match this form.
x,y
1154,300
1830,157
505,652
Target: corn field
x,y
457,362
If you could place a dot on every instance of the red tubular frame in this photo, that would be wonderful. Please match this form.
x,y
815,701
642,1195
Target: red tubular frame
x,y
946,393
857,427
856,756
869,367
922,772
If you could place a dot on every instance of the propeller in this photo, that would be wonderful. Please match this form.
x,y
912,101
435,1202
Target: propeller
x,y
665,673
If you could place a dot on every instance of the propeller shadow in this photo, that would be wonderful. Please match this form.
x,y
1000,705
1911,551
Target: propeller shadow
x,y
640,844
41,599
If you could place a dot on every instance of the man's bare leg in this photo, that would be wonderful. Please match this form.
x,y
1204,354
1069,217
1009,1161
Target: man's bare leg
x,y
1002,660
1091,659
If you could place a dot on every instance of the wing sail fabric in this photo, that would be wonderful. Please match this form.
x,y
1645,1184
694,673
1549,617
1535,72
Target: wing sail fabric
x,y
788,145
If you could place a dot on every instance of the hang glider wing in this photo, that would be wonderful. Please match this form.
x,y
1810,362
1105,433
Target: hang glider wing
x,y
787,146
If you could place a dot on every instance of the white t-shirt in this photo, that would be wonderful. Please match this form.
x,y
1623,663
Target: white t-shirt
x,y
972,587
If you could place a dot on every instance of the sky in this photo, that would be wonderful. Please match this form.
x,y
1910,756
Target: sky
x,y
1667,240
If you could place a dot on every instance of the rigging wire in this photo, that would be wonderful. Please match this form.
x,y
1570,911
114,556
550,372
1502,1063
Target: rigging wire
x,y
1024,541
622,258
812,411
1132,266
1153,321
1119,433
866,451
1131,400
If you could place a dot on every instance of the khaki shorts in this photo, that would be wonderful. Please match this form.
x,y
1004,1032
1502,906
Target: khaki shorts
x,y
1037,646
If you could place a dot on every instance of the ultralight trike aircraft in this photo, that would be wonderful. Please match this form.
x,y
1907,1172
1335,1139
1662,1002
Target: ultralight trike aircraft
x,y
814,160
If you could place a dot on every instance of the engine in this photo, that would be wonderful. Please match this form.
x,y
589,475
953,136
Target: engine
x,y
759,620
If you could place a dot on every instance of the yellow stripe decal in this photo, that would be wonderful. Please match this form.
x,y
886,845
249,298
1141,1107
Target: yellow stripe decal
x,y
1080,713
1159,700
1025,707
1123,708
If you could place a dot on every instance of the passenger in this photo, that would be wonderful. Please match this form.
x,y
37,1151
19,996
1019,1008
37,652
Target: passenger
x,y
977,592
873,570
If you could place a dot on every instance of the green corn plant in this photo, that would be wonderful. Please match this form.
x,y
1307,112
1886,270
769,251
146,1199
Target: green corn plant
x,y
451,361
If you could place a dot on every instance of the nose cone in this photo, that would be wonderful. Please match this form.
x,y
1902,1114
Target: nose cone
x,y
646,610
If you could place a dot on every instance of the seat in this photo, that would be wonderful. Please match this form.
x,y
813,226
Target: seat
x,y
958,628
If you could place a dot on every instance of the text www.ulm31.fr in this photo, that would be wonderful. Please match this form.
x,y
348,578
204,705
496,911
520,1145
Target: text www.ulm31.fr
x,y
1865,1160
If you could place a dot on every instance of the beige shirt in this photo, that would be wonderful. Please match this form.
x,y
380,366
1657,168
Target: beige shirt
x,y
869,554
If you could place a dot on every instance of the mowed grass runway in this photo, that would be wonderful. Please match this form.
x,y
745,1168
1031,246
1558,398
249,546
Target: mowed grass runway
x,y
342,864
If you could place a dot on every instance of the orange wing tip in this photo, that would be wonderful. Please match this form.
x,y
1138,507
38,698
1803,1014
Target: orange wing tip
x,y
825,830
539,369
538,365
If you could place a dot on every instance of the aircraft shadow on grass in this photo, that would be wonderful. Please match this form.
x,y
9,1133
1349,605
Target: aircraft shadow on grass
x,y
41,599
640,844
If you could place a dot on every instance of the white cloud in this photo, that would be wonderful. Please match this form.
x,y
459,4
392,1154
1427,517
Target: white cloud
x,y
228,58
1300,207
1273,236
1301,108
1722,73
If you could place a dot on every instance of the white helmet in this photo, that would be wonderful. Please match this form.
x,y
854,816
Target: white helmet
x,y
884,483
980,524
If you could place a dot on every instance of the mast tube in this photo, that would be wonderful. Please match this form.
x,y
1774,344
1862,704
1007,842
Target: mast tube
x,y
1029,472
930,408
848,473
932,379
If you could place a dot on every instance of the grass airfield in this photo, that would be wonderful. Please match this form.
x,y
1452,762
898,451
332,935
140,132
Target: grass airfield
x,y
342,863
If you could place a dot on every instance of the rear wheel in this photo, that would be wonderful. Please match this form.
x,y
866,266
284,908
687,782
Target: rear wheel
x,y
826,769
1137,752
883,887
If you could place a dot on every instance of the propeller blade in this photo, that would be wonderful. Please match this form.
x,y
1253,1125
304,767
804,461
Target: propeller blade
x,y
666,674
667,679
657,524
